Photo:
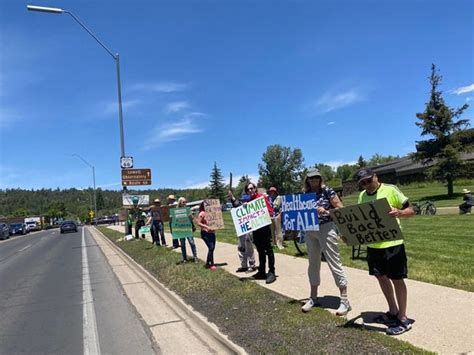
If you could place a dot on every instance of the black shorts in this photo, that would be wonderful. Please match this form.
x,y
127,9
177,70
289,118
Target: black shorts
x,y
391,262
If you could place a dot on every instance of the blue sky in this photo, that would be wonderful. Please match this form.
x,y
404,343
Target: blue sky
x,y
211,80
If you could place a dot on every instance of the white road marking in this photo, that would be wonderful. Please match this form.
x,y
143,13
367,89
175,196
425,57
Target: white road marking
x,y
89,324
28,246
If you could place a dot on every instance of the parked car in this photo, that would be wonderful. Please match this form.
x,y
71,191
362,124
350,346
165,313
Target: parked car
x,y
68,226
4,231
17,228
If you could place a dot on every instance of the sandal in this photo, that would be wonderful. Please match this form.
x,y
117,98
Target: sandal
x,y
386,318
401,327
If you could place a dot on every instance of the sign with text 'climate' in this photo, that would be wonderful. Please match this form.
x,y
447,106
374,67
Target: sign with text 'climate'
x,y
250,216
299,212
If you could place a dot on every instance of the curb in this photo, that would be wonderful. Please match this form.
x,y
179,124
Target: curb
x,y
177,300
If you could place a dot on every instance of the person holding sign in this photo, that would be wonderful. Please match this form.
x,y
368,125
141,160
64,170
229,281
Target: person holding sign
x,y
208,235
182,203
262,237
324,241
387,260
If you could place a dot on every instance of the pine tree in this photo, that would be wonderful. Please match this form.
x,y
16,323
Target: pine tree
x,y
439,121
216,185
361,162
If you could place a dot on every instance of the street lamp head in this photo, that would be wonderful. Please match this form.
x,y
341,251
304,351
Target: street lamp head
x,y
53,10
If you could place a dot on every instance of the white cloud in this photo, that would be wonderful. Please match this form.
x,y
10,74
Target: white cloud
x,y
110,184
177,106
331,123
112,107
332,100
468,99
336,163
172,131
463,90
164,86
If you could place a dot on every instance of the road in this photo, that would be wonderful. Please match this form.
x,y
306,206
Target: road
x,y
59,295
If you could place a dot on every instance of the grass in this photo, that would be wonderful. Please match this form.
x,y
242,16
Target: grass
x,y
440,249
432,191
254,317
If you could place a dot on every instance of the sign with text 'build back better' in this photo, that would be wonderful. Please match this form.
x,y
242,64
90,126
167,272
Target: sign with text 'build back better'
x,y
181,224
367,223
250,216
298,212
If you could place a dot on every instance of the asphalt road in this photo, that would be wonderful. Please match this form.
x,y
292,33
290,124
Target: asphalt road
x,y
58,295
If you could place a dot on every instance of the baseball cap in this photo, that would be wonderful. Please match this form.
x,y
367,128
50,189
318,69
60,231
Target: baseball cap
x,y
364,173
273,189
313,172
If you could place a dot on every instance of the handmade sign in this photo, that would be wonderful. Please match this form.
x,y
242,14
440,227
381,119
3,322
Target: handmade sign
x,y
181,224
367,223
298,212
144,230
214,214
250,216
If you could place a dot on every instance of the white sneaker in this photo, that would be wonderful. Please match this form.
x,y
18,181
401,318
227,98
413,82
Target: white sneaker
x,y
308,305
344,307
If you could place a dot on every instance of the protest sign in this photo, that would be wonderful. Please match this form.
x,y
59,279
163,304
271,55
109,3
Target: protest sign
x,y
165,213
214,214
367,223
144,230
181,224
251,216
298,212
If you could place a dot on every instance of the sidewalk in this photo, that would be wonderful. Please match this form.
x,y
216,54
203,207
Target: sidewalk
x,y
443,317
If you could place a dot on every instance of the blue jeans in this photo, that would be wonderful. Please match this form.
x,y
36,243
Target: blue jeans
x,y
183,246
156,232
210,240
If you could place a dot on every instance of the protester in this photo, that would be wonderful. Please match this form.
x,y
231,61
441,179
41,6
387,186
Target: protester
x,y
387,260
141,221
324,241
172,204
129,223
157,224
261,237
245,248
181,204
208,235
275,201
467,204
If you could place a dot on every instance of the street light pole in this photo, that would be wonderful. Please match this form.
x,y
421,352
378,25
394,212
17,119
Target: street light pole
x,y
116,58
93,178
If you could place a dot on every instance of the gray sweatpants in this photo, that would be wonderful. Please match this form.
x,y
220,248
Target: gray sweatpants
x,y
324,241
245,248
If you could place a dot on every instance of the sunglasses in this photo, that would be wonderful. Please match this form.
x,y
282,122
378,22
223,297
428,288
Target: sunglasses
x,y
366,182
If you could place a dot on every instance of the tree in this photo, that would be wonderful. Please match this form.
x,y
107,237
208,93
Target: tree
x,y
326,171
378,159
361,162
346,171
216,185
99,200
56,209
281,167
441,122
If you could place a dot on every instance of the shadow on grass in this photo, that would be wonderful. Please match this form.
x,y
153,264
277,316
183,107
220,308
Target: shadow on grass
x,y
456,196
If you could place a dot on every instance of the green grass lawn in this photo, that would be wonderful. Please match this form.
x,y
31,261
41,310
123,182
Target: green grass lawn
x,y
432,191
440,249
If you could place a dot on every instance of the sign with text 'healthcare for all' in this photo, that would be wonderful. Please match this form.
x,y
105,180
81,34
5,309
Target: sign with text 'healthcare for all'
x,y
181,224
298,212
367,223
251,216
214,214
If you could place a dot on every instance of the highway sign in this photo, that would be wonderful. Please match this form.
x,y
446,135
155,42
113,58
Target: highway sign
x,y
136,177
126,162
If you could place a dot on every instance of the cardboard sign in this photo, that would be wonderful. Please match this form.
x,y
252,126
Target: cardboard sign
x,y
181,224
251,216
135,200
214,214
367,223
165,213
298,212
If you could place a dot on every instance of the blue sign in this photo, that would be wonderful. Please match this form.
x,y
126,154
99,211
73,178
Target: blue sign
x,y
299,212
